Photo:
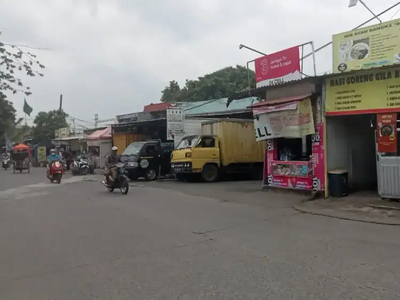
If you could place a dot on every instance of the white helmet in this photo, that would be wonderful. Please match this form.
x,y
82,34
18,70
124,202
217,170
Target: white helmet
x,y
53,151
115,148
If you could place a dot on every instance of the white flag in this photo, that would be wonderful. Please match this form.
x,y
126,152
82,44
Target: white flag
x,y
353,3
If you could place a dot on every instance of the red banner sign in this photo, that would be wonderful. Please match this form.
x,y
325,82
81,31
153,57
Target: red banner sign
x,y
387,133
279,67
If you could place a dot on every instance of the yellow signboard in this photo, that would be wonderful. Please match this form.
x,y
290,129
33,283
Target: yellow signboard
x,y
367,47
373,91
41,154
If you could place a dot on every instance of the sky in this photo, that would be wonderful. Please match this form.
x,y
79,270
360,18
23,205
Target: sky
x,y
113,57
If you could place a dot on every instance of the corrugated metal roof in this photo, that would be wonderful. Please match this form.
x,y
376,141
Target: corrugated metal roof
x,y
217,105
260,91
281,100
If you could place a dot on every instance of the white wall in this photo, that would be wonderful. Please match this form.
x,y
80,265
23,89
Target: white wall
x,y
351,146
192,127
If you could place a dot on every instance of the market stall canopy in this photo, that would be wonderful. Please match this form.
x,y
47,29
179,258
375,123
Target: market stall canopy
x,y
102,134
275,105
21,147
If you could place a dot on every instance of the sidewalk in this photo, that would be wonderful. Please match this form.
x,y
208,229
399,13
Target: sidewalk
x,y
362,207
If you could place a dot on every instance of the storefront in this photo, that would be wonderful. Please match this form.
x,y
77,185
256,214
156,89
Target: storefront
x,y
362,115
294,132
99,145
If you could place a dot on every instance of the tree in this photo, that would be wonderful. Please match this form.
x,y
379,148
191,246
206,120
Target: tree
x,y
219,84
8,119
14,60
46,123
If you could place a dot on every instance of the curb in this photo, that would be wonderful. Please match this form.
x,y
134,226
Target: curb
x,y
296,208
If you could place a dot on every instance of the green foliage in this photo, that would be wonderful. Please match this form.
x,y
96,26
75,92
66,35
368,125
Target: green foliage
x,y
46,123
219,84
8,120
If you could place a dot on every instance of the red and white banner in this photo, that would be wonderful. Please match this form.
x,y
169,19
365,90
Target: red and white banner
x,y
279,67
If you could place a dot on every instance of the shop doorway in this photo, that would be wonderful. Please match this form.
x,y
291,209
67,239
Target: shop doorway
x,y
351,145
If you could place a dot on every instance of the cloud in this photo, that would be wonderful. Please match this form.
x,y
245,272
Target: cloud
x,y
115,56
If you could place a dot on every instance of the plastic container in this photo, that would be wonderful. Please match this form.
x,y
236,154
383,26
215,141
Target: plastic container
x,y
338,183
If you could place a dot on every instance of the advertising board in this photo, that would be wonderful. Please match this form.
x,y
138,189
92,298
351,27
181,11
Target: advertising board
x,y
370,91
277,68
369,47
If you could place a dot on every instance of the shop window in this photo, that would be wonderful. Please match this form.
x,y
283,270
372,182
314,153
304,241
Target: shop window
x,y
292,149
207,142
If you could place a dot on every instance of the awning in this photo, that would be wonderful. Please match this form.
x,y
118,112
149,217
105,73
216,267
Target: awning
x,y
275,105
21,147
102,134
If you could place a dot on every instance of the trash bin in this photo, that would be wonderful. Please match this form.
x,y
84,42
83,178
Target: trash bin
x,y
338,183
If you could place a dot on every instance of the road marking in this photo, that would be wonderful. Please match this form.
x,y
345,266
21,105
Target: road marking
x,y
34,190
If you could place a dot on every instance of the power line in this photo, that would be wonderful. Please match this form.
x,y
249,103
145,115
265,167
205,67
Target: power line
x,y
395,14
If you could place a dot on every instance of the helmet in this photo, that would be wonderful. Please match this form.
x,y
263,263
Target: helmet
x,y
52,151
115,148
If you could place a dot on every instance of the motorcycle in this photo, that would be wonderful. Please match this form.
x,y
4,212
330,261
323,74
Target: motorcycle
x,y
121,181
6,163
56,172
80,167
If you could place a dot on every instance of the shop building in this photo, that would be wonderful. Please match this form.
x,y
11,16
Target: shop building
x,y
290,120
362,115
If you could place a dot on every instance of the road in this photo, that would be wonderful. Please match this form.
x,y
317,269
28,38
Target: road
x,y
183,241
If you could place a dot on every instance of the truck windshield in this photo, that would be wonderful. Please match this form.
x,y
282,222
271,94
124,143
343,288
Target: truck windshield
x,y
133,149
188,142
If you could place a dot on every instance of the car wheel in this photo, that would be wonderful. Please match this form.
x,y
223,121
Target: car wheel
x,y
150,175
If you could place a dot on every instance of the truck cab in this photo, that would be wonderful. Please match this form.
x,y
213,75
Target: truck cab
x,y
147,159
197,154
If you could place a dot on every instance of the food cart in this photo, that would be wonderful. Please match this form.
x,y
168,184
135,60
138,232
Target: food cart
x,y
21,157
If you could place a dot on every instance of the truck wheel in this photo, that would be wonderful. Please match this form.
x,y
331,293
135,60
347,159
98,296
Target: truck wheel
x,y
209,173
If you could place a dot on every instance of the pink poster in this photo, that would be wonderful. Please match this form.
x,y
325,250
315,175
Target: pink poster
x,y
318,158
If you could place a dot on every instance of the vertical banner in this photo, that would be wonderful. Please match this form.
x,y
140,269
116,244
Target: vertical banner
x,y
387,133
270,156
41,154
175,122
318,158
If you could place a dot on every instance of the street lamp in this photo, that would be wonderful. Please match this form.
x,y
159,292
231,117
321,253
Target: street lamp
x,y
353,3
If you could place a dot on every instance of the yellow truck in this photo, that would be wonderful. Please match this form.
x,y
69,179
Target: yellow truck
x,y
224,146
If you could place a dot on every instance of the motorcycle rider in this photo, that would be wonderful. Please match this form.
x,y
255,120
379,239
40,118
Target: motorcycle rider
x,y
111,160
52,158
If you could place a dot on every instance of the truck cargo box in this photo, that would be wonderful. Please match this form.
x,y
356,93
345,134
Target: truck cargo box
x,y
237,140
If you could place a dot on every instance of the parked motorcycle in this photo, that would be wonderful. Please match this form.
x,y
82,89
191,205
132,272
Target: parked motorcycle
x,y
80,166
6,163
120,182
56,171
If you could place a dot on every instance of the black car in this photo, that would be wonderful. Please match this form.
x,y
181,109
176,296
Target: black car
x,y
147,159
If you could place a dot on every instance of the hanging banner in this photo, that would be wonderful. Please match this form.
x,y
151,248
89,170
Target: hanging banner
x,y
278,67
387,133
175,122
369,47
289,123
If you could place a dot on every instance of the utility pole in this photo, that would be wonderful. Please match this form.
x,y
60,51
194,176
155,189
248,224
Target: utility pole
x,y
61,102
96,120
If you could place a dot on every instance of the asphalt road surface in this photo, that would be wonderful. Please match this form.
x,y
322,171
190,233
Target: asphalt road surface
x,y
183,241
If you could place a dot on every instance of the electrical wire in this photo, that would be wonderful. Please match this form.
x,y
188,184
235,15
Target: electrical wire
x,y
395,14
